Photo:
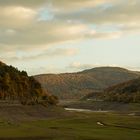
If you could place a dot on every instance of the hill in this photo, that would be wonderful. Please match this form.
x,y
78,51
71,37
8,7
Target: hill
x,y
127,92
77,85
17,86
124,92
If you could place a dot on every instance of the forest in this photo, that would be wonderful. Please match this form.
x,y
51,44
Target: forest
x,y
17,85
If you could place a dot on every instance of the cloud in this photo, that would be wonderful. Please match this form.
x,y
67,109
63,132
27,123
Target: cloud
x,y
16,16
49,69
47,54
61,4
40,25
53,53
76,5
29,3
105,35
30,25
17,12
131,28
77,66
115,12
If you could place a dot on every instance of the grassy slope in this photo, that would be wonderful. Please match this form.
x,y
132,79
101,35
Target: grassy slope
x,y
79,126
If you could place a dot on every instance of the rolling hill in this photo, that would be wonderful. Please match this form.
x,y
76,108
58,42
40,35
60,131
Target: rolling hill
x,y
17,86
77,85
124,92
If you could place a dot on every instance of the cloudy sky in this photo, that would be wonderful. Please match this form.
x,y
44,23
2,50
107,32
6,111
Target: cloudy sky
x,y
53,36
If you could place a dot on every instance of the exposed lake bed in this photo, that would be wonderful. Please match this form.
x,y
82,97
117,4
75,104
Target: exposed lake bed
x,y
56,123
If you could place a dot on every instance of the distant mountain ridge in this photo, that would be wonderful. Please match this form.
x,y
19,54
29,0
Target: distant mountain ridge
x,y
77,85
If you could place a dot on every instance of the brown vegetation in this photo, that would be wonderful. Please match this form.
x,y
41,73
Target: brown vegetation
x,y
127,92
17,85
77,85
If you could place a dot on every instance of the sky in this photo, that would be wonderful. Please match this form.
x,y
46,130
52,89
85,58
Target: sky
x,y
55,36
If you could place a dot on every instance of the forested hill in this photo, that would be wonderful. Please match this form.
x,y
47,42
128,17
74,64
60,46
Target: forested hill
x,y
77,85
124,92
17,85
127,92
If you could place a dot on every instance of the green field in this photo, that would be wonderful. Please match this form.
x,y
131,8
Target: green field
x,y
80,126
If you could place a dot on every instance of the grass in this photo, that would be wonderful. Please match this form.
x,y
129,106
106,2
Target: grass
x,y
82,126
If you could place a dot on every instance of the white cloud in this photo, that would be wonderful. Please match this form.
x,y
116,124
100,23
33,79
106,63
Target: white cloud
x,y
107,35
24,29
17,12
77,66
41,25
16,16
49,53
10,32
76,5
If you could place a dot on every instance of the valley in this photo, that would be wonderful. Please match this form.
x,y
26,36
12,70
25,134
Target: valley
x,y
29,111
58,124
69,69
